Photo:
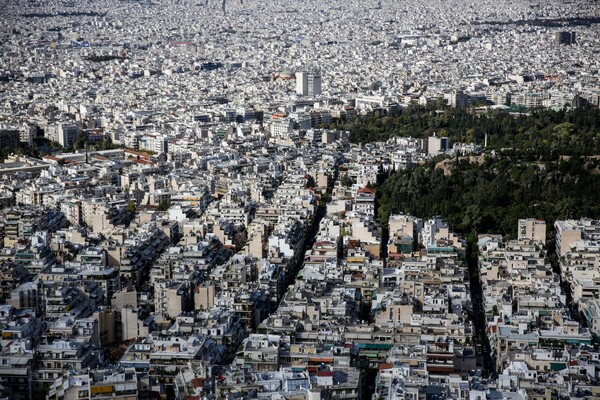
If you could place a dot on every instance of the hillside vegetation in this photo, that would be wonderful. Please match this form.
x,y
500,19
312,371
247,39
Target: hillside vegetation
x,y
544,165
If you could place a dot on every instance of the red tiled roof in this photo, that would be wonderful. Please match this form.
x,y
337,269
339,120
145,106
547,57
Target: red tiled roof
x,y
323,242
352,243
197,382
367,190
142,161
137,153
324,373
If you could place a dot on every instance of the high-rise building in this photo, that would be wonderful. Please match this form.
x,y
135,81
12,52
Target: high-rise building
x,y
67,135
302,83
314,84
308,83
64,134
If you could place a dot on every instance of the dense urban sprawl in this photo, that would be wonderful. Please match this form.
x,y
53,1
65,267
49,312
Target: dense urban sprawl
x,y
182,217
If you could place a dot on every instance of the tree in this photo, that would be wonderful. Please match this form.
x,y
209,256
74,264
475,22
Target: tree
x,y
106,143
81,140
239,240
164,205
491,197
131,207
568,132
310,182
346,180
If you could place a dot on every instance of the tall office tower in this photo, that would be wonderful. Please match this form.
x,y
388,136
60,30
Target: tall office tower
x,y
308,83
314,84
302,83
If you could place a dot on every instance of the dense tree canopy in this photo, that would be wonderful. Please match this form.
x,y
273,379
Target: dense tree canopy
x,y
545,165
545,132
491,197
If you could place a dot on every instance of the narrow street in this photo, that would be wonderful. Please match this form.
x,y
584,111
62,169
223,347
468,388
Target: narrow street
x,y
479,319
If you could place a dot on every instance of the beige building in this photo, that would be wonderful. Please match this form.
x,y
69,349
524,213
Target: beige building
x,y
567,233
131,326
532,229
204,296
106,326
97,384
171,298
402,225
124,297
257,235
395,312
322,179
90,208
